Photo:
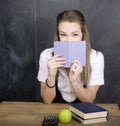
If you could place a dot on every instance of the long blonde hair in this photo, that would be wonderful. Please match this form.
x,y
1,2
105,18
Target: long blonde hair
x,y
77,16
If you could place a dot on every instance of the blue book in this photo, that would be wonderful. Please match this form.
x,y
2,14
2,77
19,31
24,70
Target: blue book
x,y
88,121
71,51
88,110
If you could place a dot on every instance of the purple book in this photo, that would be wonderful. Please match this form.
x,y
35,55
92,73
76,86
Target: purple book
x,y
71,51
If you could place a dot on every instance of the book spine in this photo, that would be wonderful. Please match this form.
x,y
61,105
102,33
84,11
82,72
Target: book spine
x,y
69,62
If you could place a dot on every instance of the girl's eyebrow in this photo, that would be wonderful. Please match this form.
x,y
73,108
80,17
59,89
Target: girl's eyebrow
x,y
75,31
62,31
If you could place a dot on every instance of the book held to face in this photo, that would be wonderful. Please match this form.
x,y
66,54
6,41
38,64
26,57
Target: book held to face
x,y
71,51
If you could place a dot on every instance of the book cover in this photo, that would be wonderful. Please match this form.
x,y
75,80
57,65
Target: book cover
x,y
88,110
88,121
71,51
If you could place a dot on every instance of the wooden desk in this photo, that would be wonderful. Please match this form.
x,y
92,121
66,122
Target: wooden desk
x,y
32,114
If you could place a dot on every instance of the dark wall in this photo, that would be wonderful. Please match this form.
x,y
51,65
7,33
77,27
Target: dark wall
x,y
17,50
27,28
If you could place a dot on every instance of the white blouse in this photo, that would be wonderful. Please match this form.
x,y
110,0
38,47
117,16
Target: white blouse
x,y
96,77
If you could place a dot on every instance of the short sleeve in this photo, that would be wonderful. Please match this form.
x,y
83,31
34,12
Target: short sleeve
x,y
43,68
97,68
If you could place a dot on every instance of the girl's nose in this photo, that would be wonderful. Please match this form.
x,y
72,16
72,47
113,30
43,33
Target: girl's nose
x,y
68,38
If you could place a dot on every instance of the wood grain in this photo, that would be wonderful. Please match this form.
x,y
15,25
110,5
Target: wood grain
x,y
32,114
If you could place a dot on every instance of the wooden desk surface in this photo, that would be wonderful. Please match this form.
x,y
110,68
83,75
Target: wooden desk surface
x,y
32,114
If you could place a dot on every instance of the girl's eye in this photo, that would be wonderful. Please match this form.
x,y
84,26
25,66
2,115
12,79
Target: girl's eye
x,y
75,34
62,35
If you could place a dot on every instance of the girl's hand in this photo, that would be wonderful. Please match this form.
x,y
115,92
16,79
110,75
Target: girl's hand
x,y
75,71
54,63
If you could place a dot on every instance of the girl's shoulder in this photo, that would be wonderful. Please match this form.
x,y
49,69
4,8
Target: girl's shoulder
x,y
96,56
47,52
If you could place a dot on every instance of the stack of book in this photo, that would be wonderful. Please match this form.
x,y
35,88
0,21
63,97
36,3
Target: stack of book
x,y
88,113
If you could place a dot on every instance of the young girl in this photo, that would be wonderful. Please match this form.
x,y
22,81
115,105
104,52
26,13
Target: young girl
x,y
77,83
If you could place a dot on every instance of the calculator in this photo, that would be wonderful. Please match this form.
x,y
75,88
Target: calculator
x,y
50,121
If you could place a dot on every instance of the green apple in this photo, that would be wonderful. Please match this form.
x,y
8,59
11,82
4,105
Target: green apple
x,y
64,116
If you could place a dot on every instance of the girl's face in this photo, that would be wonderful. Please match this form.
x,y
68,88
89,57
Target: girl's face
x,y
70,31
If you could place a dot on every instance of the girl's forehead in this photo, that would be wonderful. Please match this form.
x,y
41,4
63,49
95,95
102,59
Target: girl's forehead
x,y
69,26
